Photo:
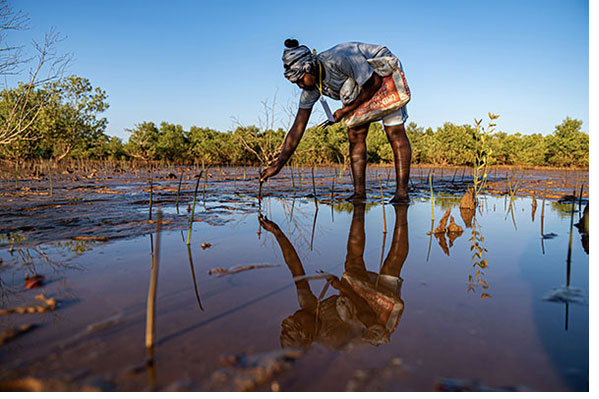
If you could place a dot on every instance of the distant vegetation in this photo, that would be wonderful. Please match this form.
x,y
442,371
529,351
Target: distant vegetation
x,y
67,124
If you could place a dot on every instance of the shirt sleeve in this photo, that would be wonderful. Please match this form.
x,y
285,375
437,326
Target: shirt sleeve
x,y
308,98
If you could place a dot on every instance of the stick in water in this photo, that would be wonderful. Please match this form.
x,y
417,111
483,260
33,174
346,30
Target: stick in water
x,y
314,189
151,191
179,190
151,308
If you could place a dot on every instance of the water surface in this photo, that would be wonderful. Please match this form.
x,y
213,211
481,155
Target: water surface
x,y
368,310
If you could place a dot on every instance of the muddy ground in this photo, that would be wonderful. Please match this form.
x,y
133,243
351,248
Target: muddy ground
x,y
114,203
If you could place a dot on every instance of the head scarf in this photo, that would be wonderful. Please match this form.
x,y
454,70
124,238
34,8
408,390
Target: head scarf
x,y
297,60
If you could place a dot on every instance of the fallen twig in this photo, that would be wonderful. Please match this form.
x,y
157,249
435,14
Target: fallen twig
x,y
223,272
47,305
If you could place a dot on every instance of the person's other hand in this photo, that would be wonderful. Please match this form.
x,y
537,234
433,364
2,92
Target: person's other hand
x,y
339,114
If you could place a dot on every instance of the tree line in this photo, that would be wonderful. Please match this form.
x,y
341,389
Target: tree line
x,y
65,122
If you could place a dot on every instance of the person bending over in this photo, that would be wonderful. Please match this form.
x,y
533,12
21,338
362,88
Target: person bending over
x,y
329,73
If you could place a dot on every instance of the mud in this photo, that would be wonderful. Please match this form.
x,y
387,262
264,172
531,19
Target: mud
x,y
107,204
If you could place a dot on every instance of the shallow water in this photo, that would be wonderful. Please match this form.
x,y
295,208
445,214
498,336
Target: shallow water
x,y
400,311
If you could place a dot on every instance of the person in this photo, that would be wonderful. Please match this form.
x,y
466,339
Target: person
x,y
328,74
368,306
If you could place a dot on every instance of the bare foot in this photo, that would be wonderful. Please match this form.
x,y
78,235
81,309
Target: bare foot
x,y
356,197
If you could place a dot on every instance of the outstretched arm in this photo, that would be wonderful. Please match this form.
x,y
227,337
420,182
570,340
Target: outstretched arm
x,y
306,298
291,142
371,86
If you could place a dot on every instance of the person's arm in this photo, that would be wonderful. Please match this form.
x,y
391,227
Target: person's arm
x,y
372,85
291,142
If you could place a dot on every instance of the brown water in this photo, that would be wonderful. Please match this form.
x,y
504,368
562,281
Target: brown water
x,y
395,311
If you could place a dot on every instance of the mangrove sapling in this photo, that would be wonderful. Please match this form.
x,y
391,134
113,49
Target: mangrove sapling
x,y
430,180
333,196
193,206
430,233
179,190
580,196
482,152
333,189
151,305
204,187
50,177
314,190
569,257
151,194
292,180
543,222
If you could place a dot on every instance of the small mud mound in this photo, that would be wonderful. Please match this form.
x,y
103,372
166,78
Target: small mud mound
x,y
247,372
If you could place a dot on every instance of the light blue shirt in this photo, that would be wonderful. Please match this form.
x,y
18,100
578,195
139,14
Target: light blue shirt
x,y
345,60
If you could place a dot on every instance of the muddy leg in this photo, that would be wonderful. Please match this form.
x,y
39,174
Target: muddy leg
x,y
357,153
402,154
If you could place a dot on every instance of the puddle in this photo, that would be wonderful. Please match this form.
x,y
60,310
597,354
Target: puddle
x,y
297,299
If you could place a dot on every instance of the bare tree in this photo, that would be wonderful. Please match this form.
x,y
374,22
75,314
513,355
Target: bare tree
x,y
24,103
262,142
11,57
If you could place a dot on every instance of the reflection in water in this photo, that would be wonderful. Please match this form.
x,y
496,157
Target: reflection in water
x,y
583,229
368,306
193,276
479,261
570,291
33,258
467,215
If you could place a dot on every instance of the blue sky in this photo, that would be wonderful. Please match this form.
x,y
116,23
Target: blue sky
x,y
211,64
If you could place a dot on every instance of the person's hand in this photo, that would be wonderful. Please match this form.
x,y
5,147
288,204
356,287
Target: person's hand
x,y
339,114
269,172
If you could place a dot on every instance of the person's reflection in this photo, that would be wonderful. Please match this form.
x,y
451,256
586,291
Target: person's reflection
x,y
368,306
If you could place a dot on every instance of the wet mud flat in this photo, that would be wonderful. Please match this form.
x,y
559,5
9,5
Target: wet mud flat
x,y
283,295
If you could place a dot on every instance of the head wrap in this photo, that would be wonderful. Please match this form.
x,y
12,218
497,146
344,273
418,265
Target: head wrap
x,y
297,60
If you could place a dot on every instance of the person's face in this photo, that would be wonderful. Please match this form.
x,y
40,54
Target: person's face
x,y
307,82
